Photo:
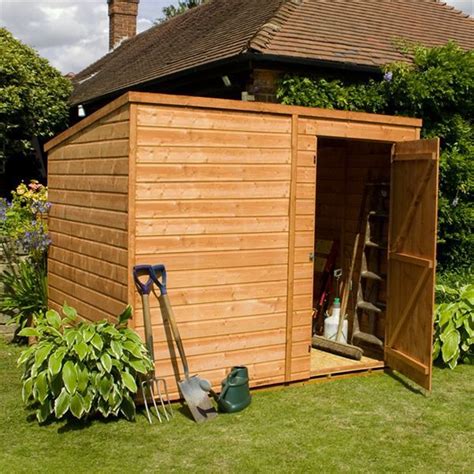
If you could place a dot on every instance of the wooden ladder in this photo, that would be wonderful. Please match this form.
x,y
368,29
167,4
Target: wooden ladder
x,y
372,225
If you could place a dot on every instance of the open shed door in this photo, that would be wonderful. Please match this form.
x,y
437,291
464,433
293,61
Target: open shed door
x,y
412,259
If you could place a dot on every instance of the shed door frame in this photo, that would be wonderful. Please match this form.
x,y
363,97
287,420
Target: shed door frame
x,y
412,259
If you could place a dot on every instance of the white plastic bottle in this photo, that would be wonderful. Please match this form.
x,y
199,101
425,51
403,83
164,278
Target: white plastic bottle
x,y
331,324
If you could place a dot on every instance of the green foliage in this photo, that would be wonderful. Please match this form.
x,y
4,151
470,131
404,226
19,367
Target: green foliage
x,y
81,369
454,325
33,96
24,240
25,292
182,6
437,86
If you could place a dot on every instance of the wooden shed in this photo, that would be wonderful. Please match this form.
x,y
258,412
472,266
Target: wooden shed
x,y
234,198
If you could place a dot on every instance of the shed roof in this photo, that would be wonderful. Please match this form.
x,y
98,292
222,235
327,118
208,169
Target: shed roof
x,y
352,32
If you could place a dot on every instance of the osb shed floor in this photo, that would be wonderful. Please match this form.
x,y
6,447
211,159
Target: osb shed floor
x,y
325,363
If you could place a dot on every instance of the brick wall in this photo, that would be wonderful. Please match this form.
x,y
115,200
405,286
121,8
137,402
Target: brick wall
x,y
122,20
263,85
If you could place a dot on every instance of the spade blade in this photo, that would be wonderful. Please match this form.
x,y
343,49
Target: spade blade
x,y
197,399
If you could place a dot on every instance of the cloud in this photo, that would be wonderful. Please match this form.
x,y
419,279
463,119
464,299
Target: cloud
x,y
71,34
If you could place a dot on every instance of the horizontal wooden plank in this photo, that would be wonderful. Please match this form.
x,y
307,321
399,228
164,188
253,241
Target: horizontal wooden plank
x,y
93,233
113,288
218,310
360,130
223,293
211,138
151,173
218,328
306,174
305,207
101,251
203,243
303,287
57,298
302,334
302,255
202,363
205,225
303,302
104,218
189,118
93,150
303,270
304,238
112,202
200,154
305,191
411,259
304,223
99,166
93,294
218,190
300,349
225,276
213,208
303,318
213,259
111,131
96,266
225,342
111,184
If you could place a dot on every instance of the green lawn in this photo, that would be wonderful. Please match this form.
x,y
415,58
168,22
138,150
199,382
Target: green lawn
x,y
370,424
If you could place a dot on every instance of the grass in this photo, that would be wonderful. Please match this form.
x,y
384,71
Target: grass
x,y
363,424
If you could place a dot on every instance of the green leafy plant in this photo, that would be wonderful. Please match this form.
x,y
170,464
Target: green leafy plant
x,y
454,325
25,292
82,369
24,241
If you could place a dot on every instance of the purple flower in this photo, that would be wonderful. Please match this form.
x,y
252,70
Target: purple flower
x,y
388,76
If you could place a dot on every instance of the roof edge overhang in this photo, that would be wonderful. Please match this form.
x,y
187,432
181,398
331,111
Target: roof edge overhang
x,y
235,105
253,56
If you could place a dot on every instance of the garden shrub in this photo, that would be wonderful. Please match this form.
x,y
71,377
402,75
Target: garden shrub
x,y
82,369
454,325
24,241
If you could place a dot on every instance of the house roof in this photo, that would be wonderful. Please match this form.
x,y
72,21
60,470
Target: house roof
x,y
351,32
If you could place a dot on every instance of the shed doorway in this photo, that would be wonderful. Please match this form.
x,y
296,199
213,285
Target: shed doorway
x,y
350,250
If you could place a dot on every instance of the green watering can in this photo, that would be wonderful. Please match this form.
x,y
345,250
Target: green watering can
x,y
235,393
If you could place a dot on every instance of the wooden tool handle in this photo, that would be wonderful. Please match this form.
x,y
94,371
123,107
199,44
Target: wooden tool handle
x,y
168,314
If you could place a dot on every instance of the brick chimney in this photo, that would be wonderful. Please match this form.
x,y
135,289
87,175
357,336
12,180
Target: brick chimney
x,y
122,20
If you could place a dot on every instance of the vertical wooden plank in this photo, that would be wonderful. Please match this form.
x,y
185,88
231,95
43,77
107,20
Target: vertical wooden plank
x,y
132,158
291,245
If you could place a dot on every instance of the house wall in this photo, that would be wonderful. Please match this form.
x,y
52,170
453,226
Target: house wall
x,y
88,221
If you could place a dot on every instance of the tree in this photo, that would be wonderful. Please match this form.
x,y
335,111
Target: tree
x,y
172,10
33,98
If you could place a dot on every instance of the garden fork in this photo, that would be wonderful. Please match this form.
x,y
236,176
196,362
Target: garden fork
x,y
151,380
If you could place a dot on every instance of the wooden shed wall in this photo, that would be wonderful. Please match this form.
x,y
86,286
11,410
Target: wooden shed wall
x,y
212,204
88,222
222,193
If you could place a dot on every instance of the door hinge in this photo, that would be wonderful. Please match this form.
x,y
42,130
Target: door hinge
x,y
311,257
309,348
314,159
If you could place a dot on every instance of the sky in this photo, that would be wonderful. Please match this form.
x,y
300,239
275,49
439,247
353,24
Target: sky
x,y
74,33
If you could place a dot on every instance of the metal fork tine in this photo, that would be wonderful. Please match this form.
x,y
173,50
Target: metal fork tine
x,y
152,393
143,385
165,411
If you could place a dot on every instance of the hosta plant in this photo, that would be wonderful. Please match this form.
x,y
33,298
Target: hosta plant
x,y
454,325
82,369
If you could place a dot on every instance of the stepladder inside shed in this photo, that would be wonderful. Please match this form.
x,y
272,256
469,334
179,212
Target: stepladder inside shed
x,y
233,199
